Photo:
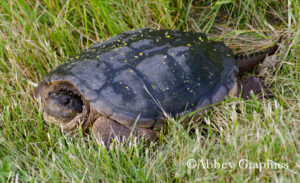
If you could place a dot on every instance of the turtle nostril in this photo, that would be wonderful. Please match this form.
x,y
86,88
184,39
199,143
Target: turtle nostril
x,y
65,101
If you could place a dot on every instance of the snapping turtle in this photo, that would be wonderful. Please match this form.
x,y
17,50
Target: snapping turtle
x,y
127,83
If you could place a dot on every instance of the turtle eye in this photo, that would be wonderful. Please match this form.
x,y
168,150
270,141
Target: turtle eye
x,y
65,100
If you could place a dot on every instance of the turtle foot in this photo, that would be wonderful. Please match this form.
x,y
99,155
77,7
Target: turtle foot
x,y
255,85
107,130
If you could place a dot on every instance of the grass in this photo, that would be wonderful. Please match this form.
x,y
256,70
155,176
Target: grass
x,y
36,36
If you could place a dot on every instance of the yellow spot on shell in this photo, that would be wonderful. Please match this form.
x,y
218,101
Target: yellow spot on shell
x,y
188,44
172,54
131,70
125,43
125,61
135,56
168,36
77,57
200,38
127,87
182,55
163,62
141,53
153,86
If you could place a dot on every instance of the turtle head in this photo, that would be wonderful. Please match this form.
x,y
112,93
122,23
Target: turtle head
x,y
62,104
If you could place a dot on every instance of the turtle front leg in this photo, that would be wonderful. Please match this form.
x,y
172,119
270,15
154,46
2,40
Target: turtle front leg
x,y
255,85
106,130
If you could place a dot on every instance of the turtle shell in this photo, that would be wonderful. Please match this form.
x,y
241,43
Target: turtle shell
x,y
145,73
